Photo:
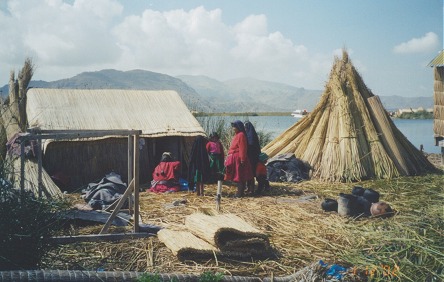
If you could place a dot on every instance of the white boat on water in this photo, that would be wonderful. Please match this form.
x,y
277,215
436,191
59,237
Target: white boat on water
x,y
299,113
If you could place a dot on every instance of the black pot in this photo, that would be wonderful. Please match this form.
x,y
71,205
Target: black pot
x,y
371,195
329,205
358,190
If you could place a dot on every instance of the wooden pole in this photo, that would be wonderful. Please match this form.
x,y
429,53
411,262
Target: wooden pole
x,y
22,167
113,215
218,194
61,240
40,167
136,182
130,166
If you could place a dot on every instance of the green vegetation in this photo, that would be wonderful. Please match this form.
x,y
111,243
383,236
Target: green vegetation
x,y
204,277
150,277
222,126
416,115
26,225
210,277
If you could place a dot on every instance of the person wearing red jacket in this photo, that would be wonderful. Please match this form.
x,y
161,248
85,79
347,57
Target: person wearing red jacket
x,y
237,165
166,175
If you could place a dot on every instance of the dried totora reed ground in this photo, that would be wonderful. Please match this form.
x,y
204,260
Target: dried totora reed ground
x,y
406,247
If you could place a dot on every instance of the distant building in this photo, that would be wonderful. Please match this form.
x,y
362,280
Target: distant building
x,y
438,125
411,110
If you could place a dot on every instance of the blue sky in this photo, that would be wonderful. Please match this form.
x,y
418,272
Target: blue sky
x,y
390,42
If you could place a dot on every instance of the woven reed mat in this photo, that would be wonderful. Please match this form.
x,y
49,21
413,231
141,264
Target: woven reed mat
x,y
229,233
186,246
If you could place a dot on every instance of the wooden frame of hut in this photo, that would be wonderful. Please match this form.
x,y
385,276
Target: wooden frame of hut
x,y
438,109
165,122
37,135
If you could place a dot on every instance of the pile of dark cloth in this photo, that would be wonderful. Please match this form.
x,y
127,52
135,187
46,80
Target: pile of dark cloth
x,y
102,194
287,168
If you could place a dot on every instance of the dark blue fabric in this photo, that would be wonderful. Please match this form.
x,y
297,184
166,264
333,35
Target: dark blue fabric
x,y
254,148
239,125
199,160
252,137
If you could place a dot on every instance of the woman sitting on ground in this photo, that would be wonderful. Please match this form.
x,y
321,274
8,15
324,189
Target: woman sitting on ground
x,y
166,175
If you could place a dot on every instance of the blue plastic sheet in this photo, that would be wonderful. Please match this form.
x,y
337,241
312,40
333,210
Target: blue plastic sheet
x,y
335,270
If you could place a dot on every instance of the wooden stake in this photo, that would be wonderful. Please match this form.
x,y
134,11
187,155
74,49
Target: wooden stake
x,y
125,195
219,194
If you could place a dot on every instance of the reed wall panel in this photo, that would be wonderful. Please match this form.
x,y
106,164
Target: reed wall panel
x,y
438,127
439,73
438,86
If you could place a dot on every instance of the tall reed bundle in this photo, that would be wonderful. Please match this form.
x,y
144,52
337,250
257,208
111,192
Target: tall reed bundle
x,y
341,137
388,138
49,188
314,147
295,130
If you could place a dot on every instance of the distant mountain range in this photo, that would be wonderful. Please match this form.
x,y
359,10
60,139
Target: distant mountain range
x,y
206,94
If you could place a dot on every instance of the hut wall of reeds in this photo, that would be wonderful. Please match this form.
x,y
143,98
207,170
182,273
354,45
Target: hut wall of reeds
x,y
438,109
164,119
349,136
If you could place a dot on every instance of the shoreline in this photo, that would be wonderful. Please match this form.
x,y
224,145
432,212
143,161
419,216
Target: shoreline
x,y
249,114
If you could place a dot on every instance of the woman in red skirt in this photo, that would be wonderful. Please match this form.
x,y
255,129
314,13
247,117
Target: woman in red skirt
x,y
237,165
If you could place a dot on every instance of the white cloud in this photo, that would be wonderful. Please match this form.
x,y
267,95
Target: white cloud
x,y
418,45
65,39
57,35
198,42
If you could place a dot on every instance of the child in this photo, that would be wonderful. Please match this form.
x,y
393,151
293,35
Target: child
x,y
261,175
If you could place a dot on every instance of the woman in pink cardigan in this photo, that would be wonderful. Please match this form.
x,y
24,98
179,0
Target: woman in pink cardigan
x,y
237,164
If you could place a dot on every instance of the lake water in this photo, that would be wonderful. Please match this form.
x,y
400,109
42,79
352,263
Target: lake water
x,y
417,131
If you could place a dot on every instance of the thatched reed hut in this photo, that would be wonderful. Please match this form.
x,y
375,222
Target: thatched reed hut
x,y
438,109
349,136
163,118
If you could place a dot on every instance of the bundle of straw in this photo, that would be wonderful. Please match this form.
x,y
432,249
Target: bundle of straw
x,y
186,246
229,233
49,188
341,138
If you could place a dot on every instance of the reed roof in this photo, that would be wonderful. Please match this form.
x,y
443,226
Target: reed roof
x,y
438,61
156,113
